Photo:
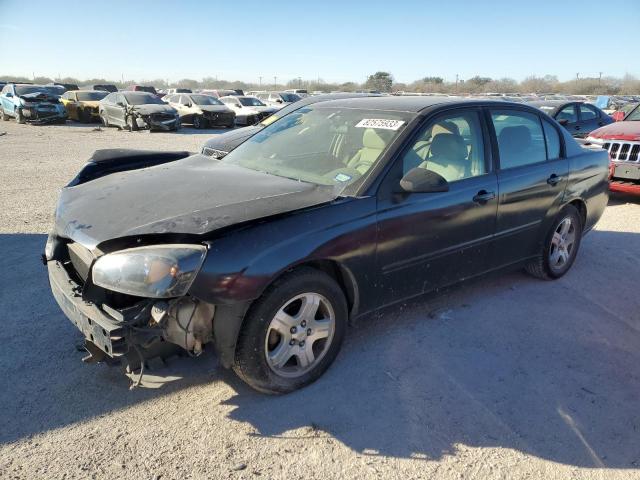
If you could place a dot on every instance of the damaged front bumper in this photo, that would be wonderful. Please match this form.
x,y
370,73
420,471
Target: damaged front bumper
x,y
157,121
42,114
136,332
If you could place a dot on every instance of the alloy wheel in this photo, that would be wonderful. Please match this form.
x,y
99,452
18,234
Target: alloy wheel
x,y
562,244
299,335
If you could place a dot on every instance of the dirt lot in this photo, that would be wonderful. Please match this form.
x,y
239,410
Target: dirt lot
x,y
508,377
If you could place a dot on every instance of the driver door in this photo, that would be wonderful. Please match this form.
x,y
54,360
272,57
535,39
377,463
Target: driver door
x,y
429,240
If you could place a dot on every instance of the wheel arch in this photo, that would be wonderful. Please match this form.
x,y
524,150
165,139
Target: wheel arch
x,y
581,206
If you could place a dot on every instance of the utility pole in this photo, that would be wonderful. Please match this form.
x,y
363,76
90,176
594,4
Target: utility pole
x,y
260,80
456,83
599,78
275,82
299,82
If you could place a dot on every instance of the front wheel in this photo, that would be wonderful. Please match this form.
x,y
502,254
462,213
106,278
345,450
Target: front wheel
x,y
560,246
292,334
199,122
105,119
5,117
132,126
19,116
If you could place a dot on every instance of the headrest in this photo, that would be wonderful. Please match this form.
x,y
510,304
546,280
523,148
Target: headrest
x,y
449,146
371,139
445,126
514,138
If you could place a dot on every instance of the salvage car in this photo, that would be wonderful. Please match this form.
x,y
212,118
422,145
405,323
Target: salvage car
x,y
578,118
105,88
83,105
31,103
202,111
278,99
220,145
622,141
248,110
331,212
137,110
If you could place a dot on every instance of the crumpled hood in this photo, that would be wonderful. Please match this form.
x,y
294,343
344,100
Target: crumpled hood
x,y
195,195
153,108
629,130
215,108
39,97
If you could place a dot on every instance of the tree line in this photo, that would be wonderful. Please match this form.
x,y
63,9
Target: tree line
x,y
384,82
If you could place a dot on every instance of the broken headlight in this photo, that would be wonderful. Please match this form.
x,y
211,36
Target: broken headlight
x,y
159,271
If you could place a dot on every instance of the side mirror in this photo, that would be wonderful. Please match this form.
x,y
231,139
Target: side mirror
x,y
564,122
9,94
421,180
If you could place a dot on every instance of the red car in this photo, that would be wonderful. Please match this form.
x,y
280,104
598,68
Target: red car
x,y
622,141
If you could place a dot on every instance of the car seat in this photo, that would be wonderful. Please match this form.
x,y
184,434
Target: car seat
x,y
373,144
448,157
515,146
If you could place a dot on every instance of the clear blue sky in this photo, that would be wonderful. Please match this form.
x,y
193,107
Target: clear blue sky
x,y
336,40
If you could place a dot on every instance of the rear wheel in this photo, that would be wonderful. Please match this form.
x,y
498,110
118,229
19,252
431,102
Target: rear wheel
x,y
292,334
560,247
199,122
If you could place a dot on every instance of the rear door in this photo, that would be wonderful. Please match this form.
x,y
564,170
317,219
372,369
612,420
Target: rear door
x,y
589,119
532,177
428,240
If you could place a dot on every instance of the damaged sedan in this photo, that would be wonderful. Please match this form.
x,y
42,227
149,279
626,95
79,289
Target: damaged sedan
x,y
331,212
138,111
31,104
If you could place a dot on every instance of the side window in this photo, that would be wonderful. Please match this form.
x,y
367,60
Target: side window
x,y
65,96
451,145
587,112
120,99
568,113
553,140
520,138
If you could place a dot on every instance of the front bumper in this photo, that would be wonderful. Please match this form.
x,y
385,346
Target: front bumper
x,y
624,177
158,122
41,115
97,327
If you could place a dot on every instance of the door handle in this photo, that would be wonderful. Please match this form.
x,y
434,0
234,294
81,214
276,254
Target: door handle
x,y
553,180
483,196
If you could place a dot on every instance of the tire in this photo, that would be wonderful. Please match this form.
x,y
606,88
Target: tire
x,y
199,122
559,249
5,117
105,119
83,116
261,346
19,117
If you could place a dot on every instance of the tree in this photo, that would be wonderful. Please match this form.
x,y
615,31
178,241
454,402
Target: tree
x,y
434,80
382,81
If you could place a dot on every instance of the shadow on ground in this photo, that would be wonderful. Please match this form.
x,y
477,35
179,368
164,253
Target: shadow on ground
x,y
551,369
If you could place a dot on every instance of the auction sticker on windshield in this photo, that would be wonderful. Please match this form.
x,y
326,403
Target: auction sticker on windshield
x,y
381,123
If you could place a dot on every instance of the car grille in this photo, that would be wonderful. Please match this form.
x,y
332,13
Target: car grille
x,y
212,152
623,151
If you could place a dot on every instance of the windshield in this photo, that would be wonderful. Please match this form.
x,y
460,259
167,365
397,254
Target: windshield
x,y
142,99
251,102
290,97
205,100
326,146
91,96
25,89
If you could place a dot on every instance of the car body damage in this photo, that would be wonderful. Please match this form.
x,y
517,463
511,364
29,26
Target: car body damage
x,y
327,213
138,111
33,104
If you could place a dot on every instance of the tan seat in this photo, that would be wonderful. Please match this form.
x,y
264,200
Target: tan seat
x,y
372,146
448,157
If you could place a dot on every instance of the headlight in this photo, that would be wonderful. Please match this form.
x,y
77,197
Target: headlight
x,y
162,271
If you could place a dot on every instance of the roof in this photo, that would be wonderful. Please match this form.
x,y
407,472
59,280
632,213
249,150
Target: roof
x,y
414,104
550,103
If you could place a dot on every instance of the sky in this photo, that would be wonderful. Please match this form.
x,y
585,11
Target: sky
x,y
337,41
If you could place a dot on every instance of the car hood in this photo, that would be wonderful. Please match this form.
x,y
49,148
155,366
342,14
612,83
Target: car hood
x,y
39,97
153,108
229,140
629,130
196,195
215,108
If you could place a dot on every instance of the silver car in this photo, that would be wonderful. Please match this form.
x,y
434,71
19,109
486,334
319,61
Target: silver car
x,y
201,111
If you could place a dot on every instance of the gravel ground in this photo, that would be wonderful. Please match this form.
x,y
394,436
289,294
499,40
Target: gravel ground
x,y
506,377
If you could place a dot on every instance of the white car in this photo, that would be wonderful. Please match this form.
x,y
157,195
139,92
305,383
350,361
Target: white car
x,y
278,99
249,110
